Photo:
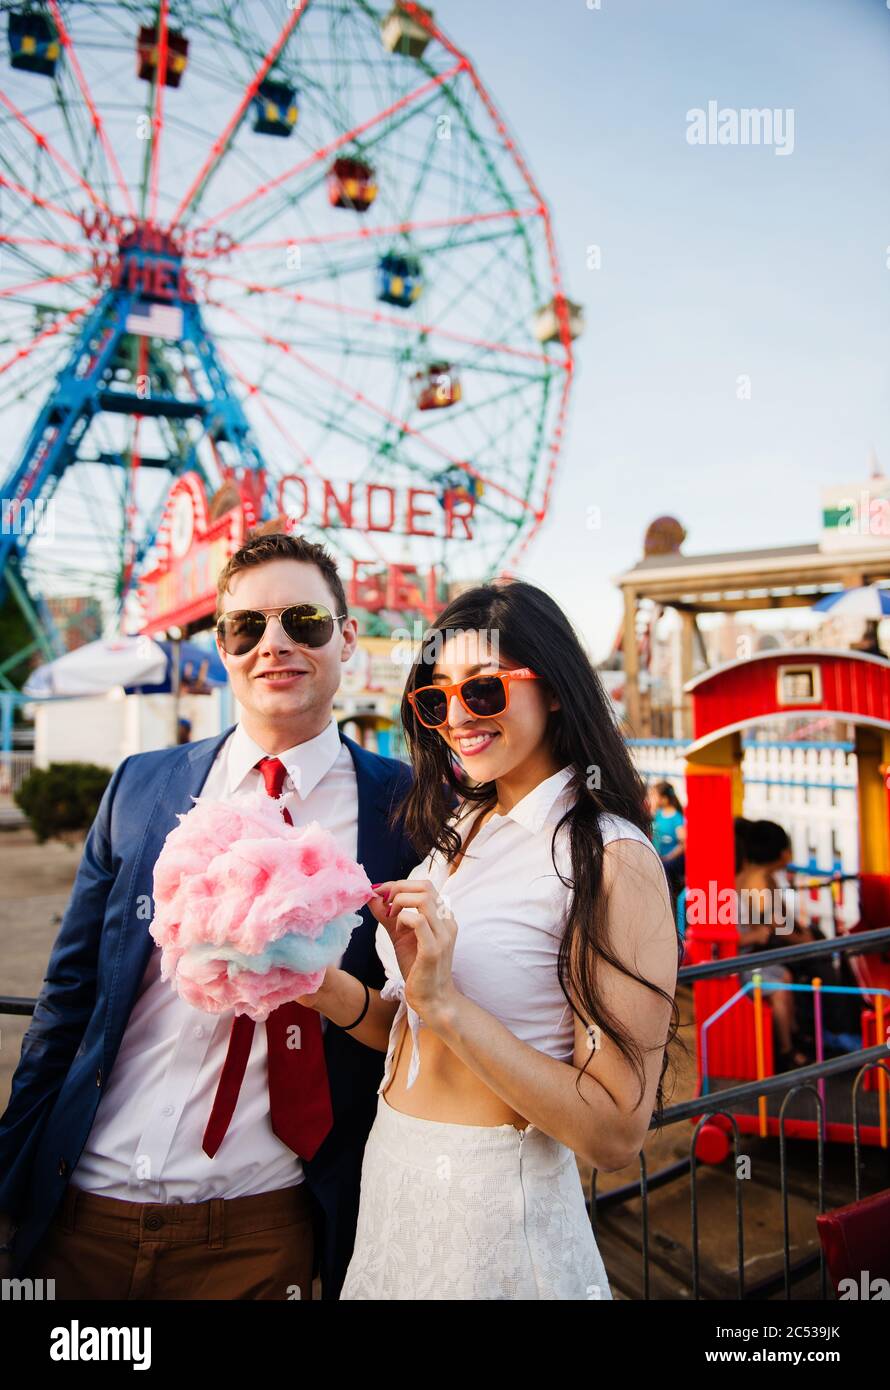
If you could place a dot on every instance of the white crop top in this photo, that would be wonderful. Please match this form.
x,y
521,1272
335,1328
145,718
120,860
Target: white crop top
x,y
510,908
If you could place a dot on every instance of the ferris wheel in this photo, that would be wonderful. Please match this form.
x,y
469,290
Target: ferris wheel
x,y
295,240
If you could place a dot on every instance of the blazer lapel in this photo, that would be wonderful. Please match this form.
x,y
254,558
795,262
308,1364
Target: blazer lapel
x,y
374,794
375,849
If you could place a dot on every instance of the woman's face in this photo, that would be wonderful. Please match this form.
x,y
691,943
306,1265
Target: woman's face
x,y
492,747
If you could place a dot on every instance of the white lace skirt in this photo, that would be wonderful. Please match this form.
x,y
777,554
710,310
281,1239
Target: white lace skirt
x,y
470,1212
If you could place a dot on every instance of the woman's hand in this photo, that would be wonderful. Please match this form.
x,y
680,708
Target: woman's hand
x,y
423,932
402,937
320,996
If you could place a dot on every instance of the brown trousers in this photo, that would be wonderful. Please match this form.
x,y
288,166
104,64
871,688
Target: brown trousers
x,y
229,1248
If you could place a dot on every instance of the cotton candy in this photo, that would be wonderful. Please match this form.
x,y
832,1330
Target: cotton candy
x,y
249,910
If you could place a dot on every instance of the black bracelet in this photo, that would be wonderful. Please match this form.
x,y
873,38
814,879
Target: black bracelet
x,y
347,1026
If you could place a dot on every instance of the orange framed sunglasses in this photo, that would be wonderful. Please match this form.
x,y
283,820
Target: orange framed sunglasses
x,y
483,696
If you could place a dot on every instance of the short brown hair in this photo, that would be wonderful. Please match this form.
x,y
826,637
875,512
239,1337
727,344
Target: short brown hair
x,y
258,549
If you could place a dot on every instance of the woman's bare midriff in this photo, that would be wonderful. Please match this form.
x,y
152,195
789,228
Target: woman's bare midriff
x,y
445,1088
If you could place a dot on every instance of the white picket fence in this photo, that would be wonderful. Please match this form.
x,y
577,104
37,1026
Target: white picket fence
x,y
14,768
809,789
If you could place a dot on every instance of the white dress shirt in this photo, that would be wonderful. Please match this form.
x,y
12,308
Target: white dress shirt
x,y
510,907
145,1142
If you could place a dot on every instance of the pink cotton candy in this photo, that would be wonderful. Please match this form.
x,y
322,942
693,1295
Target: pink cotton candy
x,y
236,877
255,995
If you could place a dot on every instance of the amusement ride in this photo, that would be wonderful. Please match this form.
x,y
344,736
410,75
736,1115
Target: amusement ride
x,y
281,260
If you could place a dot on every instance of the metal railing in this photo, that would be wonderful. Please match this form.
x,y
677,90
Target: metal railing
x,y
721,1103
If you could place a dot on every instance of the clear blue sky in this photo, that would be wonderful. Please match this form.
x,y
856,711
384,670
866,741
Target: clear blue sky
x,y
717,261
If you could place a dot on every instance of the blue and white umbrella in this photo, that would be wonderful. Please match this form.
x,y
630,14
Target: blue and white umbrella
x,y
98,667
865,601
139,664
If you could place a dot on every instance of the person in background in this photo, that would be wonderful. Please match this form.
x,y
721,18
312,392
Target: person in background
x,y
762,850
868,642
742,829
669,834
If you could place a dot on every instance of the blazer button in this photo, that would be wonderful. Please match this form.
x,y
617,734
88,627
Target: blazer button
x,y
99,1077
63,1167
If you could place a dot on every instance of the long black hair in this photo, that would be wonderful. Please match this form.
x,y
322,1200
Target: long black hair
x,y
667,791
531,629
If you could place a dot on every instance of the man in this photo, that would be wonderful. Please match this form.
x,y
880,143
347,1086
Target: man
x,y
132,1162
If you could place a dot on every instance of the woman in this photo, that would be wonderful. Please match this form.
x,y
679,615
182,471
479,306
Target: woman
x,y
524,1034
669,833
764,849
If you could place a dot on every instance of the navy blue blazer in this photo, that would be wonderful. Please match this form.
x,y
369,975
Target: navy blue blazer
x,y
99,959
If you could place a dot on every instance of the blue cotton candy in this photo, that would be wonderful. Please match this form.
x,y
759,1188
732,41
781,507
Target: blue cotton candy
x,y
290,952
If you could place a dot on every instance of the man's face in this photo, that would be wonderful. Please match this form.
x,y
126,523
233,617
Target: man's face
x,y
309,677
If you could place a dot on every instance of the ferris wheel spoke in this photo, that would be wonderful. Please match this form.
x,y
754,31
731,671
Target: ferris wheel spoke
x,y
44,143
157,124
502,251
199,183
300,399
30,208
70,248
67,44
363,400
37,200
408,326
305,404
49,332
292,443
478,411
376,144
379,351
361,264
357,436
325,151
97,509
363,234
257,391
38,255
47,280
494,114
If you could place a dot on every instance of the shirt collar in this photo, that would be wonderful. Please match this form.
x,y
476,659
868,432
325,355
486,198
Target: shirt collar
x,y
532,810
306,763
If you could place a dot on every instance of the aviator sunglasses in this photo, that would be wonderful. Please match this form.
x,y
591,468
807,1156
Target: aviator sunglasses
x,y
307,624
479,695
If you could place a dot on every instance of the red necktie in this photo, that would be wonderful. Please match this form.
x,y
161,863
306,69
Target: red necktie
x,y
299,1094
